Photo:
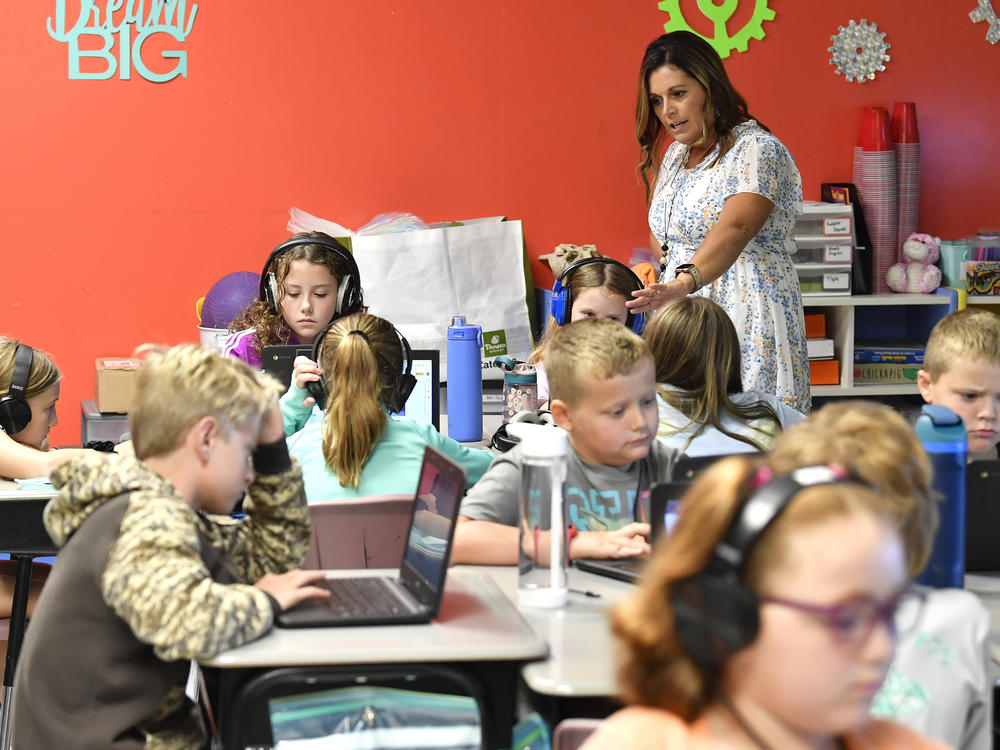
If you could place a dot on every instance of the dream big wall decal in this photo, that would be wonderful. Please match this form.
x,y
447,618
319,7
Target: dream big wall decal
x,y
113,34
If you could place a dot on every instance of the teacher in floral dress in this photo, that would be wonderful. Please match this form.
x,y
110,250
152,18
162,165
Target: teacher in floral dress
x,y
722,210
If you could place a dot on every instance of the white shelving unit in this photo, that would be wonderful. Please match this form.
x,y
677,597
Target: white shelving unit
x,y
841,326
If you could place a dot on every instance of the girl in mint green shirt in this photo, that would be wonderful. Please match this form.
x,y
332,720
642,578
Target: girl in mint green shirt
x,y
357,449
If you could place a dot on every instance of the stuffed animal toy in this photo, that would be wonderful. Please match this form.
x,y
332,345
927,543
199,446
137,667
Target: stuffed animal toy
x,y
918,275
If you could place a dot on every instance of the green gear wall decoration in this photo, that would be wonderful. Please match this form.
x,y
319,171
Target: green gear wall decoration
x,y
859,51
984,12
718,15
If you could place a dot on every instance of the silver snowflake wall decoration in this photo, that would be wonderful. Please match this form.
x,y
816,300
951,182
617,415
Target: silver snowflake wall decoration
x,y
984,12
859,51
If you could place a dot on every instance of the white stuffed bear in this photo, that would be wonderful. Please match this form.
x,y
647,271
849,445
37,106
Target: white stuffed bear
x,y
918,275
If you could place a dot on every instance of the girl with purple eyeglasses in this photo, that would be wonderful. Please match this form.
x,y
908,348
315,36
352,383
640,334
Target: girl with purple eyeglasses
x,y
769,619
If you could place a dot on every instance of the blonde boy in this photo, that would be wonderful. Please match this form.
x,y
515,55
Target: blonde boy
x,y
603,393
146,579
962,371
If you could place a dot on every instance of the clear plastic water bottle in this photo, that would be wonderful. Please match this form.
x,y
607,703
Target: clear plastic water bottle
x,y
542,568
520,386
944,437
465,381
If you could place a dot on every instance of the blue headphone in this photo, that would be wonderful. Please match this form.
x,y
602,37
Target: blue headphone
x,y
562,297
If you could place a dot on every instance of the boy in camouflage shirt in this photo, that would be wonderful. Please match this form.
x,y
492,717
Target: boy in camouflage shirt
x,y
147,579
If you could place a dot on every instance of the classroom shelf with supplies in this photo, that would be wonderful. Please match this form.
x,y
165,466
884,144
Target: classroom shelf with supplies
x,y
825,242
876,317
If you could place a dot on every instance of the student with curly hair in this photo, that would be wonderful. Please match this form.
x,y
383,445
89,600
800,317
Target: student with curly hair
x,y
307,282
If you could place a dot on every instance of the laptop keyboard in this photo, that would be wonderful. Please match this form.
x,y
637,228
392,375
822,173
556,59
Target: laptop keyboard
x,y
352,597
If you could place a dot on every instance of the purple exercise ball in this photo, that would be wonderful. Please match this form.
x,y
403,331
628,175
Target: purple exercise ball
x,y
228,297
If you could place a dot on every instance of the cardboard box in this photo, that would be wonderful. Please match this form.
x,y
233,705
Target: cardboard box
x,y
824,372
115,384
815,326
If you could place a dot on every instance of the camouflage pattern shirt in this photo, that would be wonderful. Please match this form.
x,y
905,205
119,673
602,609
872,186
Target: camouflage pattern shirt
x,y
143,584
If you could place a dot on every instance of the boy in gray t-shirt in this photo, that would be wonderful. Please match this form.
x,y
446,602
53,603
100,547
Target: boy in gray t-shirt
x,y
603,393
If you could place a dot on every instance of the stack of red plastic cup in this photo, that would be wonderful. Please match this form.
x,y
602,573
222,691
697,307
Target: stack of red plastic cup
x,y
875,177
904,133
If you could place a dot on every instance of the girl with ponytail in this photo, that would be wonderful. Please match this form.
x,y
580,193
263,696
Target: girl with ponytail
x,y
359,449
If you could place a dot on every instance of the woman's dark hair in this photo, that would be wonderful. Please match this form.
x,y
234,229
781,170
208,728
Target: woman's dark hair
x,y
698,59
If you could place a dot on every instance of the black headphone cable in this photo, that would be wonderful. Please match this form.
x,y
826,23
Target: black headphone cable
x,y
743,723
751,733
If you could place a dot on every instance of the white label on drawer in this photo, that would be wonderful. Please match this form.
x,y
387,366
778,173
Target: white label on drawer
x,y
837,225
836,281
836,253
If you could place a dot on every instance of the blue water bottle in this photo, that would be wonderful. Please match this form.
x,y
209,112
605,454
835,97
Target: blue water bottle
x,y
944,437
465,381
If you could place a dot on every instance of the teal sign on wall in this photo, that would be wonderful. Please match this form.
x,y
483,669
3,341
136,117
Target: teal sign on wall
x,y
114,34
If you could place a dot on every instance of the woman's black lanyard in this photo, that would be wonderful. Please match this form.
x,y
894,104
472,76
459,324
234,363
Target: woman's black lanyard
x,y
668,211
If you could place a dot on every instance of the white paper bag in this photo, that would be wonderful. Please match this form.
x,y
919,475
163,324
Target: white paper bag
x,y
419,280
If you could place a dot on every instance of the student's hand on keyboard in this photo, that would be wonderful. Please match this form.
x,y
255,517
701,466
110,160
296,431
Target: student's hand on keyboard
x,y
304,370
628,541
293,587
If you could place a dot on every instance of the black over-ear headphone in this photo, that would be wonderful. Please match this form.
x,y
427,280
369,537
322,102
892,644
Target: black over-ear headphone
x,y
404,386
562,296
503,442
349,299
15,411
715,612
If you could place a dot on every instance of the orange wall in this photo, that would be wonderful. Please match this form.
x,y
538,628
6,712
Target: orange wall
x,y
125,200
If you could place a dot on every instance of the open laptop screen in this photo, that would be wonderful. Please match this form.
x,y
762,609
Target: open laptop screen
x,y
424,403
425,559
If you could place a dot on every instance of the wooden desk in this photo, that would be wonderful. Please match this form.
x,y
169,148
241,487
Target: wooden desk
x,y
478,630
23,535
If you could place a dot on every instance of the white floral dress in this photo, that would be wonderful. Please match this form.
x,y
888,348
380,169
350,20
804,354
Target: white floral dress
x,y
760,291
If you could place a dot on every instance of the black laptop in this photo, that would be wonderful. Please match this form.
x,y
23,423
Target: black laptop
x,y
415,594
278,360
688,468
664,505
982,517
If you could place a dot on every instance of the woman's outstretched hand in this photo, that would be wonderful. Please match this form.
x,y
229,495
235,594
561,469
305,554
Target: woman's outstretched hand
x,y
656,296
